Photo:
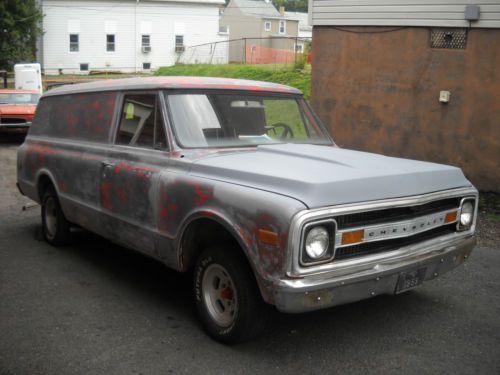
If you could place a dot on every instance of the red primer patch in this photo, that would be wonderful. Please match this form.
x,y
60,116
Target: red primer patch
x,y
122,195
202,195
106,195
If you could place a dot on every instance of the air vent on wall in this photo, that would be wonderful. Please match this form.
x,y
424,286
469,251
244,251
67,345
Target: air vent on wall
x,y
449,38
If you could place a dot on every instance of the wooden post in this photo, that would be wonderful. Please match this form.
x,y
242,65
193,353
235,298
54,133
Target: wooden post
x,y
295,49
245,52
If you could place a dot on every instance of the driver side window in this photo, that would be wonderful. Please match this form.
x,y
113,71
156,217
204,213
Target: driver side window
x,y
141,122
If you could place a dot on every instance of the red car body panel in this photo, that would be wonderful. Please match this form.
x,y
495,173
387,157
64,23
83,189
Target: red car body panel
x,y
17,115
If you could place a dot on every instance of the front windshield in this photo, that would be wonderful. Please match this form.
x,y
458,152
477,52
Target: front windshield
x,y
19,98
226,120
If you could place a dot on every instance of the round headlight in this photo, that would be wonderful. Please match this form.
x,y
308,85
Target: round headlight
x,y
466,214
317,242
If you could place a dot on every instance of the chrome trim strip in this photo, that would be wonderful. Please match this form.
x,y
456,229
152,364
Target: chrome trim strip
x,y
398,229
294,269
15,125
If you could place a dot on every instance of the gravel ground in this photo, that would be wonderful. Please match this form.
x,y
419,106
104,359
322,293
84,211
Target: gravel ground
x,y
488,228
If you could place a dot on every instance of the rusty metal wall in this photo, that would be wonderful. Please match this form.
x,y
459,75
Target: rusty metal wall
x,y
377,89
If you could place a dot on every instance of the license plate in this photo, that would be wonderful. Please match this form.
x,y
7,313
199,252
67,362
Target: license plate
x,y
410,280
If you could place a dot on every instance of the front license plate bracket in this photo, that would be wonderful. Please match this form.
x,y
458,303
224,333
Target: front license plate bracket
x,y
410,280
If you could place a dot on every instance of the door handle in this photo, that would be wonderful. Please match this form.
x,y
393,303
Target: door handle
x,y
107,163
106,166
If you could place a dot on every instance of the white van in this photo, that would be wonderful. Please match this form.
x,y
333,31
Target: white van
x,y
28,77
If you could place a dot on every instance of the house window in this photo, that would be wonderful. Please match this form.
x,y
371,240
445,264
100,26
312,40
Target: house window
x,y
179,43
282,27
110,43
84,67
224,29
146,66
74,42
267,26
179,40
146,40
299,48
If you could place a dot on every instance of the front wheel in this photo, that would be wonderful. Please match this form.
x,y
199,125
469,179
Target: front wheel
x,y
227,297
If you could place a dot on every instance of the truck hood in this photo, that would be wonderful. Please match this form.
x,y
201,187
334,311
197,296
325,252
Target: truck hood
x,y
325,175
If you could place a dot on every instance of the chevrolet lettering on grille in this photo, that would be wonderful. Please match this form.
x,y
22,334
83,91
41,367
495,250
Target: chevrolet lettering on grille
x,y
400,229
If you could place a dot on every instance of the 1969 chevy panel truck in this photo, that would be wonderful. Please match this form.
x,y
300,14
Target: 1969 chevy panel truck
x,y
239,182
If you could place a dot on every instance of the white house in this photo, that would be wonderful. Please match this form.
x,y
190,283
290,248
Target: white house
x,y
305,29
125,35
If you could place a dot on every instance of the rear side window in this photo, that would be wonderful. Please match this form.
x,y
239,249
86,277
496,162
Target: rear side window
x,y
85,117
141,122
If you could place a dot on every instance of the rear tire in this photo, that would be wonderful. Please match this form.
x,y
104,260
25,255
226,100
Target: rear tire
x,y
227,298
55,227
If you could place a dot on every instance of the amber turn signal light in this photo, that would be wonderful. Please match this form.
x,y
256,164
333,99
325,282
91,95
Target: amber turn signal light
x,y
353,237
268,237
450,217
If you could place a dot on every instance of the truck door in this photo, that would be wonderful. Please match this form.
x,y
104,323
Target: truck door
x,y
130,173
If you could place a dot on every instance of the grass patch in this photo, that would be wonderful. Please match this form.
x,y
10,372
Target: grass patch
x,y
489,203
282,74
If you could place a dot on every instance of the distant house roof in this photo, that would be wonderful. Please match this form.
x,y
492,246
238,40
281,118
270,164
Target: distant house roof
x,y
260,8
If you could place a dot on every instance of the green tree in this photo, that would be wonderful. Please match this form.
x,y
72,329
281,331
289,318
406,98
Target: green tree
x,y
292,5
20,25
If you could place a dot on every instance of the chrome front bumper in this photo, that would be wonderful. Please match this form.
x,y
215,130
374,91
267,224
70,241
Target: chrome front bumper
x,y
315,292
23,125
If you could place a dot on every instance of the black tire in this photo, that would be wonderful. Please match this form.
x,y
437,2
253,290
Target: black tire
x,y
251,314
55,227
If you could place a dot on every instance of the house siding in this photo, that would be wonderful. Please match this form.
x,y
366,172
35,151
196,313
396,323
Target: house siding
x,y
442,13
129,20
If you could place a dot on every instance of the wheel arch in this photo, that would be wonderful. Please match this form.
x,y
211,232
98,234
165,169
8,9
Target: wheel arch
x,y
43,180
203,229
206,229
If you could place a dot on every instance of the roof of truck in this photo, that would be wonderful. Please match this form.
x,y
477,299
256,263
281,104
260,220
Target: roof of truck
x,y
172,82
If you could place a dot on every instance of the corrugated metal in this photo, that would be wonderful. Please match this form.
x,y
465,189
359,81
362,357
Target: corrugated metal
x,y
441,13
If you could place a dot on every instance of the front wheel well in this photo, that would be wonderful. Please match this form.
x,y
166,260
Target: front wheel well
x,y
201,234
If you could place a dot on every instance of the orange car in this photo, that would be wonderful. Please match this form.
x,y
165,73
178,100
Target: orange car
x,y
17,108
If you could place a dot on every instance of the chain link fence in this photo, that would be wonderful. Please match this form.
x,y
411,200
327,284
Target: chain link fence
x,y
270,50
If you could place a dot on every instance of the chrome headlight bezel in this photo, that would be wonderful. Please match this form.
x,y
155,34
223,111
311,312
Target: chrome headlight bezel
x,y
464,203
331,226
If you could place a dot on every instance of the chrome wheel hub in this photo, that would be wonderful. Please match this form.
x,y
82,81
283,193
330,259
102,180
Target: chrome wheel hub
x,y
219,295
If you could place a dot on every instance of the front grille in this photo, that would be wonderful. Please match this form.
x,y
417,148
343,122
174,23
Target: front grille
x,y
12,120
391,244
395,214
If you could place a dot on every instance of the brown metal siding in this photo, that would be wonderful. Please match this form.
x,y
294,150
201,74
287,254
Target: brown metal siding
x,y
379,92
